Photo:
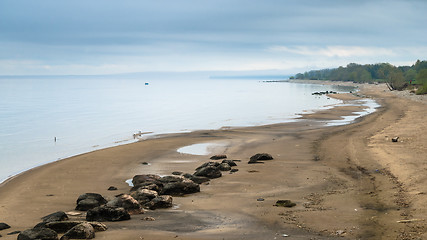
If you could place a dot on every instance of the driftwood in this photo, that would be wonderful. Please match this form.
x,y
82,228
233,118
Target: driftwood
x,y
410,220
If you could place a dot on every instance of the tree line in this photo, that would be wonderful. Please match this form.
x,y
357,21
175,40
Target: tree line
x,y
396,78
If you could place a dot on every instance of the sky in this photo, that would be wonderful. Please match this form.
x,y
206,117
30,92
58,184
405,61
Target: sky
x,y
82,37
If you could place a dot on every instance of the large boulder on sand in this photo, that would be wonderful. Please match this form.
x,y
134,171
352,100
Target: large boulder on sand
x,y
81,231
209,172
178,185
90,200
105,213
224,167
231,163
65,226
145,178
162,201
260,157
196,179
127,202
143,195
219,156
38,234
56,216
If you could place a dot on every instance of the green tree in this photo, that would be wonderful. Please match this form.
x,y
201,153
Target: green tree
x,y
396,80
422,79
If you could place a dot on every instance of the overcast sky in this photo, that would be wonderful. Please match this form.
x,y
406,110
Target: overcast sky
x,y
106,36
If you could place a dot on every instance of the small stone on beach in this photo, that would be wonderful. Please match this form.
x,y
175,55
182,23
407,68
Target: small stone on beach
x,y
285,203
219,156
112,188
4,226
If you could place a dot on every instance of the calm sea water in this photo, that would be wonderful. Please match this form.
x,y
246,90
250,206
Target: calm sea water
x,y
86,114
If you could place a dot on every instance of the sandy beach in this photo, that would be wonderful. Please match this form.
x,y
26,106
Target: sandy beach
x,y
347,181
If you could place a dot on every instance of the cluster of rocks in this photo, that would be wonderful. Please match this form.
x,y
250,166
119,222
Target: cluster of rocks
x,y
149,191
59,223
259,158
323,93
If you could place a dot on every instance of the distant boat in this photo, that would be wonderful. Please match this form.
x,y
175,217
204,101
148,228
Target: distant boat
x,y
146,83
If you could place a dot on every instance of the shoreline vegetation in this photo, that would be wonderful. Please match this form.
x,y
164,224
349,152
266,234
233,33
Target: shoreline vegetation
x,y
412,78
350,181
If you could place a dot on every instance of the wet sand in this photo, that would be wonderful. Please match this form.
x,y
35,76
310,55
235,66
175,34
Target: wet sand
x,y
347,181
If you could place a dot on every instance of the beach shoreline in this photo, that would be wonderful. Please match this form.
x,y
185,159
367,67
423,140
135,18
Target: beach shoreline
x,y
311,167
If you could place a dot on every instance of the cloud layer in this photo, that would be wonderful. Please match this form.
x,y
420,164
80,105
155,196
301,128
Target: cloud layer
x,y
106,36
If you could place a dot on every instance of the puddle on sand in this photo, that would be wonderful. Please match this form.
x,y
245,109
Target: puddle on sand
x,y
370,107
201,148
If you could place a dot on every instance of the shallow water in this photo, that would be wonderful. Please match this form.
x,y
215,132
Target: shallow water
x,y
86,114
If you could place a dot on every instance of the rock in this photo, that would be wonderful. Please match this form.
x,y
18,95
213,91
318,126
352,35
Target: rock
x,y
4,226
219,156
65,226
145,178
229,162
234,170
89,200
56,216
196,179
260,157
147,185
207,164
209,172
105,213
143,196
38,234
163,201
14,232
127,202
395,139
285,203
149,219
81,231
224,167
260,199
177,173
112,188
179,188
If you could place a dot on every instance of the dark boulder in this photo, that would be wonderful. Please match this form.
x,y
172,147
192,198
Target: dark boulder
x,y
163,201
112,188
209,172
196,179
81,231
90,200
177,173
224,167
234,170
127,202
4,226
229,162
38,234
143,196
260,157
219,156
147,185
285,203
56,216
208,164
145,178
105,213
185,186
65,226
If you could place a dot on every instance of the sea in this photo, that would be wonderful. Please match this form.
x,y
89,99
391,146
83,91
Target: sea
x,y
45,119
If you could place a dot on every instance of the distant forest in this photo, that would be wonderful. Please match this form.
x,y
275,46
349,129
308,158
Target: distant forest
x,y
397,78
